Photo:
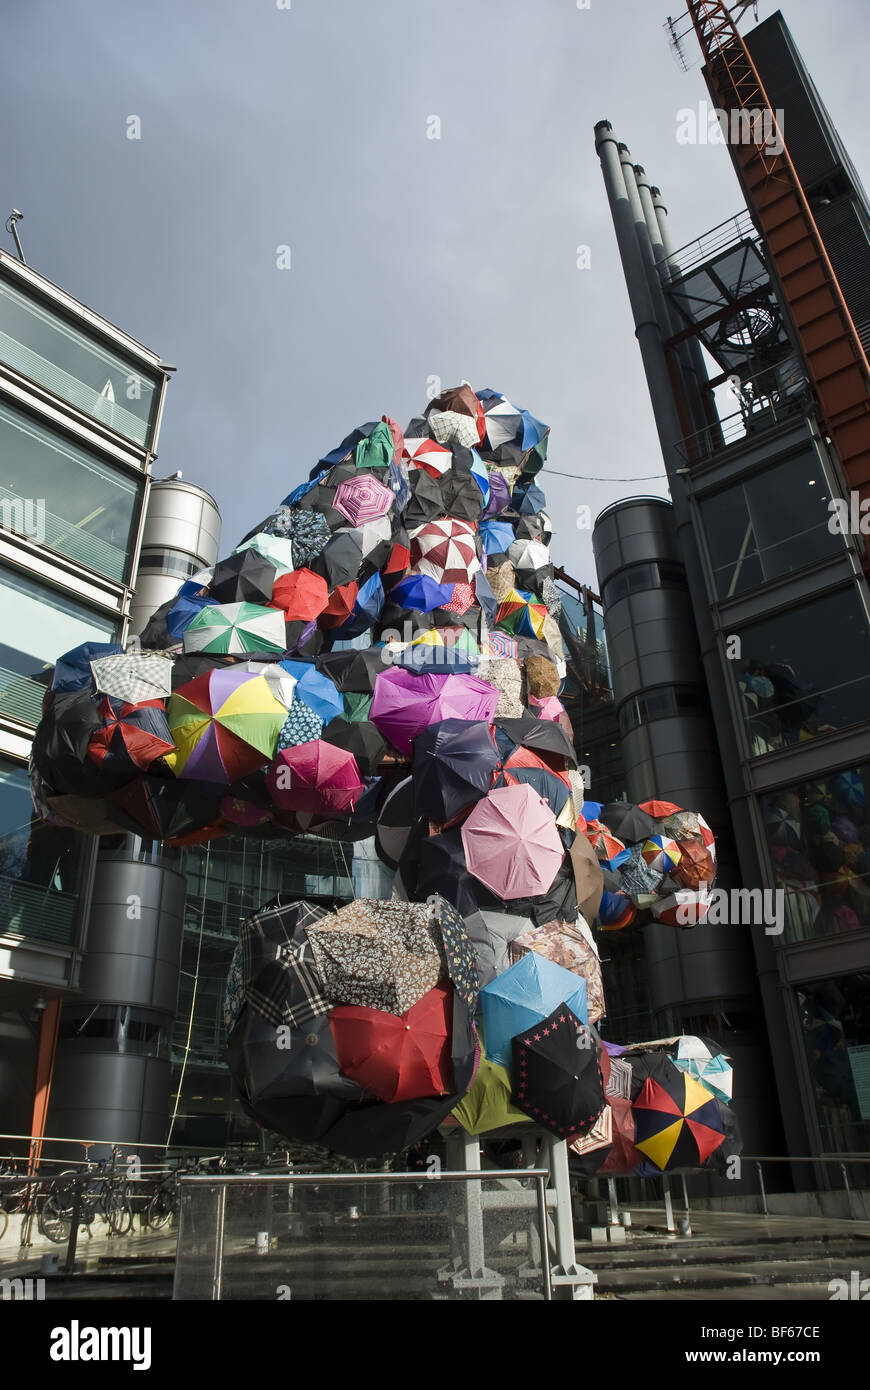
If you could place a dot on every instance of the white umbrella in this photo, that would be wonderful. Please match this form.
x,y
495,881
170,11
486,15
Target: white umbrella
x,y
276,549
134,676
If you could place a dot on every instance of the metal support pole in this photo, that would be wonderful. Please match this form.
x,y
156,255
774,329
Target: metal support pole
x,y
764,1210
74,1228
614,1202
669,1206
852,1212
218,1266
545,1245
688,1230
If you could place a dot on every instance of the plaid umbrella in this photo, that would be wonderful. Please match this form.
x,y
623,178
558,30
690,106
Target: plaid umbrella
x,y
639,879
461,957
225,724
397,1057
234,628
456,401
363,499
380,955
279,974
558,1079
134,676
132,737
445,549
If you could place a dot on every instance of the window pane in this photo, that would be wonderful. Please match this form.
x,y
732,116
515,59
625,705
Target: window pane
x,y
769,525
805,672
40,866
835,1023
44,347
63,497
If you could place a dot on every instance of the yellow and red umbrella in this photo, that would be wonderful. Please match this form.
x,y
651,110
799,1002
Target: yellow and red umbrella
x,y
677,1121
225,725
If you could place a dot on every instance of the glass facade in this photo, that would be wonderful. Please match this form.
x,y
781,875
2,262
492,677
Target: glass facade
x,y
655,574
665,702
41,866
835,1024
804,672
39,624
818,842
40,344
770,525
59,495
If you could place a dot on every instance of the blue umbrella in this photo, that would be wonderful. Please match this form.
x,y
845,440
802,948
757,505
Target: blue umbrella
x,y
591,810
73,669
183,612
315,689
369,602
485,597
496,536
525,995
422,592
480,474
528,499
300,491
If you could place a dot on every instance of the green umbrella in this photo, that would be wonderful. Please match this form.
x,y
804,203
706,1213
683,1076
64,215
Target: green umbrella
x,y
236,627
276,549
356,706
488,1104
377,450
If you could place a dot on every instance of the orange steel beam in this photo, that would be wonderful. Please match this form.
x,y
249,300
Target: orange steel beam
x,y
835,359
44,1070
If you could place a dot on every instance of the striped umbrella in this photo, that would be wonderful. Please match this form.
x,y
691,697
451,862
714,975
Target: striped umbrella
x,y
236,627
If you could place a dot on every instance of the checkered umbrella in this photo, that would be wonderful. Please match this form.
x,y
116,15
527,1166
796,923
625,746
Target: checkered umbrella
x,y
445,549
134,676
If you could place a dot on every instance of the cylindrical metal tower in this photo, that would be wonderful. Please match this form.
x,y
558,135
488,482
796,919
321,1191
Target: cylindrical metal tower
x,y
181,537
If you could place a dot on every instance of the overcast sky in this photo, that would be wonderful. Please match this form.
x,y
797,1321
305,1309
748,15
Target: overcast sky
x,y
411,257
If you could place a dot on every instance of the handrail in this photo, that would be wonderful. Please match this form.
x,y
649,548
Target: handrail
x,y
333,1179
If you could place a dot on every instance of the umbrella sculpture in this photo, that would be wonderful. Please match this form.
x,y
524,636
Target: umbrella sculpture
x,y
488,1105
558,1079
445,741
677,1122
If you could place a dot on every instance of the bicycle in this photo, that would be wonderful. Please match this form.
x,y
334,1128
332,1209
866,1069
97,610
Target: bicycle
x,y
99,1192
13,1192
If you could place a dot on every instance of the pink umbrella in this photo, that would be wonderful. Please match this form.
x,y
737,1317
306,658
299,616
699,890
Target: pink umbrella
x,y
362,499
405,703
314,776
512,842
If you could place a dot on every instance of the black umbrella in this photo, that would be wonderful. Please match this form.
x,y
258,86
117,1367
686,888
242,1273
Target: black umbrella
x,y
160,807
454,764
442,869
461,495
340,560
353,671
557,1074
541,736
397,820
425,502
559,903
245,577
60,744
274,1063
627,822
189,665
360,738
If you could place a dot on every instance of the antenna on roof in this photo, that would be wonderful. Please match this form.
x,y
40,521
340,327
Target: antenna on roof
x,y
14,217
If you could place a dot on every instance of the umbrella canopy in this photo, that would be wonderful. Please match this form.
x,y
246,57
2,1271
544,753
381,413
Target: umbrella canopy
x,y
352,671
488,1104
131,738
160,808
308,530
442,869
433,458
458,400
397,1057
697,865
707,1064
72,671
446,550
340,559
520,613
233,628
461,495
425,501
301,594
541,736
458,950
638,879
304,1065
314,776
512,843
245,576
497,537
225,724
588,877
359,738
367,605
523,996
659,809
405,703
677,1122
378,955
315,688
627,822
362,499
301,726
277,549
454,764
490,934
421,592
134,676
395,821
661,852
557,1071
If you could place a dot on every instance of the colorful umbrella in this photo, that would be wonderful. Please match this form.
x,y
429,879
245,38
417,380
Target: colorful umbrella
x,y
234,628
458,950
454,764
397,1057
225,724
558,1079
661,852
708,1065
512,843
405,703
523,996
314,776
378,955
134,676
677,1122
684,908
521,614
132,736
446,550
362,499
433,458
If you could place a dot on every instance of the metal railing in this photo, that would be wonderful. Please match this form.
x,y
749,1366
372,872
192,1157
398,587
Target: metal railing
x,y
725,234
222,1184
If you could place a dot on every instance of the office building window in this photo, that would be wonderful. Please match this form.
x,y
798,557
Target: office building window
x,y
835,1023
39,625
654,574
665,702
43,346
174,562
804,672
41,866
769,525
818,842
61,496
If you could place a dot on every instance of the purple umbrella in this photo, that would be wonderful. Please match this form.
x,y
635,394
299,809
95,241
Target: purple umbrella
x,y
362,499
404,703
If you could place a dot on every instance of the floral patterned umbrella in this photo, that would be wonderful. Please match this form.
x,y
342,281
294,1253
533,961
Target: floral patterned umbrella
x,y
380,955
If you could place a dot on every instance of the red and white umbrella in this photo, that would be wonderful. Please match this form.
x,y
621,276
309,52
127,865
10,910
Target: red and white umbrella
x,y
429,455
362,499
446,550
